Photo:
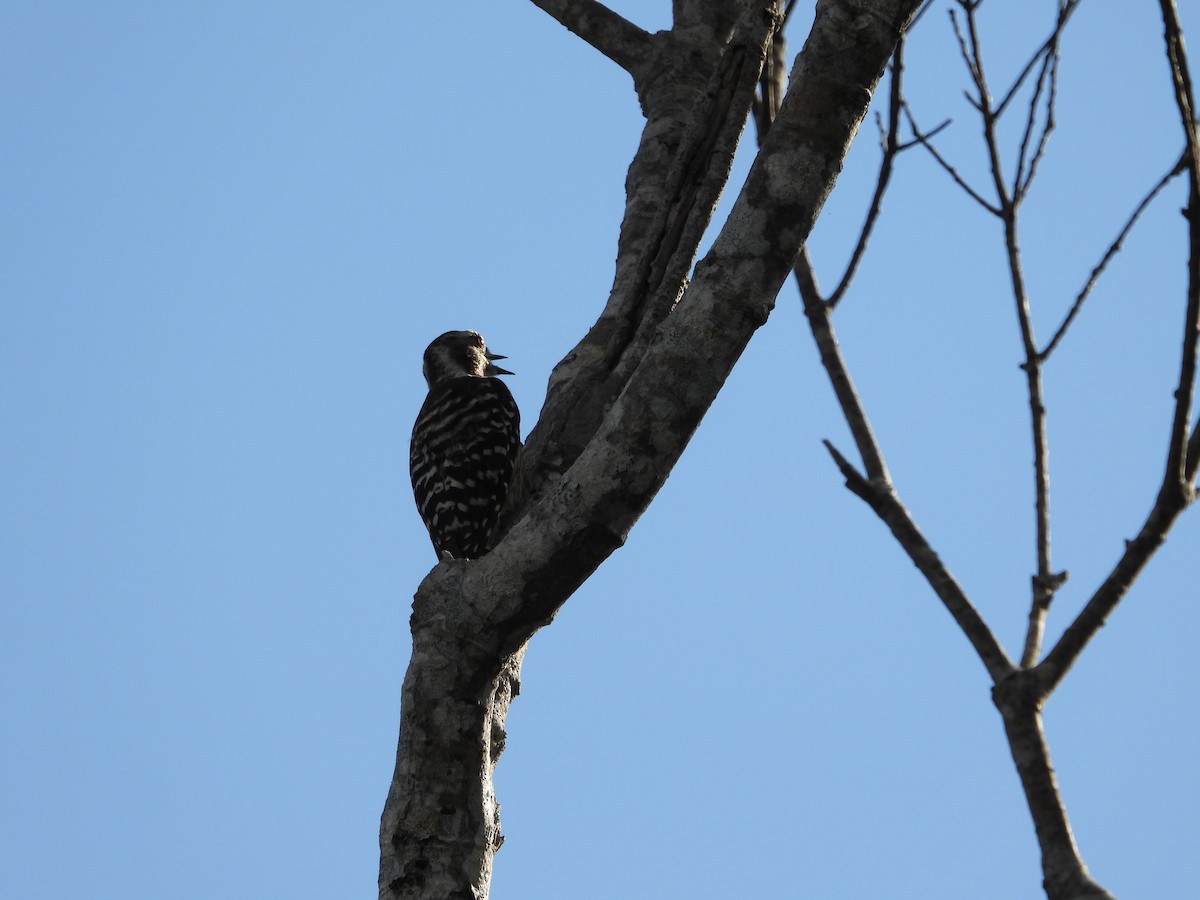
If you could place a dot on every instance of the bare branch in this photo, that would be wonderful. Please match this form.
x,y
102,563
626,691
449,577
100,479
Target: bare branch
x,y
1176,492
613,35
1047,75
1175,479
1008,199
933,132
963,50
876,487
1023,177
1064,875
1113,249
923,139
1064,13
882,498
891,147
816,308
818,313
991,142
1091,619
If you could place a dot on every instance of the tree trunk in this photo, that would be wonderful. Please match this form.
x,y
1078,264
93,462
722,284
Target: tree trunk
x,y
440,828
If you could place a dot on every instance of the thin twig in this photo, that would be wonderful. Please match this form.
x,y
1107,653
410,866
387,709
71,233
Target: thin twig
x,y
1022,184
1045,582
1064,13
923,139
1176,492
1004,200
931,133
1023,178
1175,478
1113,249
1030,121
891,148
966,55
816,307
876,486
1092,617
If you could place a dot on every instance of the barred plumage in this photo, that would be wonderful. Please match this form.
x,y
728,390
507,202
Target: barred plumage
x,y
464,445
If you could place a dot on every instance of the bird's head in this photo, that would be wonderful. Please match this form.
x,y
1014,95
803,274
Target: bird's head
x,y
456,354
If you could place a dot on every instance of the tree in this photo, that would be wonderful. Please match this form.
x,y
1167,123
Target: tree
x,y
623,404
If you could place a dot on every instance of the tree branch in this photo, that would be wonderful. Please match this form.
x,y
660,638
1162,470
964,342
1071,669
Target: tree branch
x,y
1045,582
1176,491
1047,82
1114,588
1018,693
816,308
1064,13
876,487
891,148
923,139
1064,875
695,93
586,513
614,36
484,610
882,499
1113,249
818,313
1175,479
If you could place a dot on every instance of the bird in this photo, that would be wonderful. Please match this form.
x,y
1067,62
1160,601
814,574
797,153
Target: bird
x,y
464,445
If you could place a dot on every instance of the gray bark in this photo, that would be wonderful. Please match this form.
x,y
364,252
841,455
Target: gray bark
x,y
624,404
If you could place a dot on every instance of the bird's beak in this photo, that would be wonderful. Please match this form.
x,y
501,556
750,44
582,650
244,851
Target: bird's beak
x,y
496,370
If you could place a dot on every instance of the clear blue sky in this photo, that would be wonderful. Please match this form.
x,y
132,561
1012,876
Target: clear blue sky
x,y
228,231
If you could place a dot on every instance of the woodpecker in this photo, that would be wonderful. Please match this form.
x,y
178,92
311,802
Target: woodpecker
x,y
464,445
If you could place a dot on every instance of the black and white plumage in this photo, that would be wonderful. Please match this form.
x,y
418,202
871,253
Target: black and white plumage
x,y
464,445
